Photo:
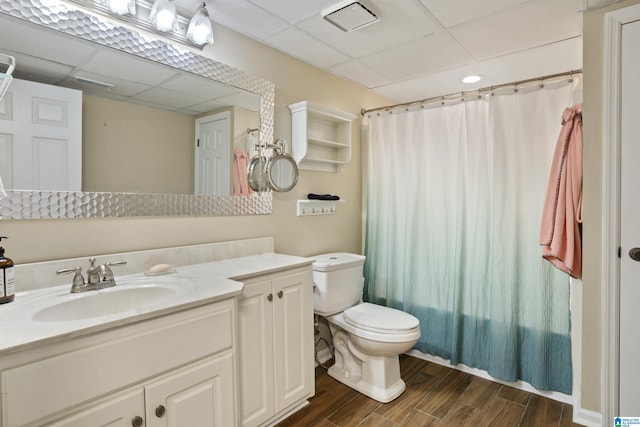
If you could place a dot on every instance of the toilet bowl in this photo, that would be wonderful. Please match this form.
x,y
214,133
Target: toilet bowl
x,y
367,338
366,355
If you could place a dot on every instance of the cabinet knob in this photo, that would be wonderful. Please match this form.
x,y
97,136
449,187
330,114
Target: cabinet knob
x,y
160,410
270,297
280,294
137,422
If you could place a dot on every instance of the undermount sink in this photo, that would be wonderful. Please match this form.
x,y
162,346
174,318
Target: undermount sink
x,y
106,302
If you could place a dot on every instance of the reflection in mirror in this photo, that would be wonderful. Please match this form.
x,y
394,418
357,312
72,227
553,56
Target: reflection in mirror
x,y
282,172
150,87
139,117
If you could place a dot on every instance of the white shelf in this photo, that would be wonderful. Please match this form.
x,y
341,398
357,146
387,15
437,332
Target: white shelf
x,y
317,207
321,136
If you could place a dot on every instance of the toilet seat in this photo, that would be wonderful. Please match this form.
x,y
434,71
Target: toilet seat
x,y
369,332
380,319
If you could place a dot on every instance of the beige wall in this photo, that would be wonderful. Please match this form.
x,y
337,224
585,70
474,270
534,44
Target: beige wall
x,y
593,60
36,240
158,145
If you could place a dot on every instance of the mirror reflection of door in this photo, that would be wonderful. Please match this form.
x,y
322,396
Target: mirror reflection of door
x,y
213,151
41,137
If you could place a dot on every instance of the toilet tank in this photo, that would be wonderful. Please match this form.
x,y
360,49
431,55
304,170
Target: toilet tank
x,y
338,282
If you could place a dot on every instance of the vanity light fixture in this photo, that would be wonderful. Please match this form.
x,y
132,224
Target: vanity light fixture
x,y
163,15
121,7
155,16
200,30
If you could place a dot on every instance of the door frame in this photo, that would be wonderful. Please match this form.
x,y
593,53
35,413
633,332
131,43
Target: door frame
x,y
611,184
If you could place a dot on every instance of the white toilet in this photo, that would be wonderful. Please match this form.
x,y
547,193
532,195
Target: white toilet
x,y
367,338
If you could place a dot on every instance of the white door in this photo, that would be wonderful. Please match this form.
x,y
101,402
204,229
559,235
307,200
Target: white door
x,y
213,154
41,137
630,223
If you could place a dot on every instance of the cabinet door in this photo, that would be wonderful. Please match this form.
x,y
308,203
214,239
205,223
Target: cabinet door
x,y
119,411
202,394
293,324
255,353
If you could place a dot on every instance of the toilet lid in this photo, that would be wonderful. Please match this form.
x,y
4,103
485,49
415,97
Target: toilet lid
x,y
377,318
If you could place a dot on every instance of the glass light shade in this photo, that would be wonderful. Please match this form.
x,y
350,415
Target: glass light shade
x,y
122,7
163,15
200,30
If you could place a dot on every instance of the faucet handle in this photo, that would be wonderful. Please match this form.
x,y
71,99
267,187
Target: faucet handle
x,y
105,269
78,279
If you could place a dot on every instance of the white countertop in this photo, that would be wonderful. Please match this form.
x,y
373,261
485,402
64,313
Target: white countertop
x,y
207,283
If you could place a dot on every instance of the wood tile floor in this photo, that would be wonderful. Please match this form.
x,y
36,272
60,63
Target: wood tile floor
x,y
435,396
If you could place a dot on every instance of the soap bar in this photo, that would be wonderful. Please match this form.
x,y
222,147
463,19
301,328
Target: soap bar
x,y
160,269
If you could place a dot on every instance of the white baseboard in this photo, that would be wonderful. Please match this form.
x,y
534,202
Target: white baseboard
x,y
587,418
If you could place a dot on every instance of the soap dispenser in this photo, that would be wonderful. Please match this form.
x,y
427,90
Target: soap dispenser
x,y
7,277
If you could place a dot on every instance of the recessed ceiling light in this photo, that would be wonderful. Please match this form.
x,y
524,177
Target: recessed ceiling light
x,y
471,79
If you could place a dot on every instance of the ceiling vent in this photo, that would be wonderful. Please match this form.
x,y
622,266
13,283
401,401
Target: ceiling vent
x,y
350,15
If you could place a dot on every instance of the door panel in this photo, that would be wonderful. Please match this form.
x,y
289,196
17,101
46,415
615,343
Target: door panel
x,y
213,155
41,137
630,222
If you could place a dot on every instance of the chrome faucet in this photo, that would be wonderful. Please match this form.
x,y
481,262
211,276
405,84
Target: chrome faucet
x,y
98,277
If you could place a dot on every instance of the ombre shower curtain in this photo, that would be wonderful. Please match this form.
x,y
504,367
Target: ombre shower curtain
x,y
454,197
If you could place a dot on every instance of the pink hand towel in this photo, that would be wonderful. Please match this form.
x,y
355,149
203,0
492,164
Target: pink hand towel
x,y
559,231
240,165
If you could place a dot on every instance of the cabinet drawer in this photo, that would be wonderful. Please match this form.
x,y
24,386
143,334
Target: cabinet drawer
x,y
41,388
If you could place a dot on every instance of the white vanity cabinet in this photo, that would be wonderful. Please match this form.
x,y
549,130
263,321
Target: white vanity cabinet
x,y
174,370
275,355
195,396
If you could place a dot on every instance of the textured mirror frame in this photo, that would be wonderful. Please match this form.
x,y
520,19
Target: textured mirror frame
x,y
50,204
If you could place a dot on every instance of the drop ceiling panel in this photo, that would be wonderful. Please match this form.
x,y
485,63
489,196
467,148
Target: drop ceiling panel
x,y
294,11
309,49
360,73
120,87
549,59
41,70
245,17
427,55
531,25
131,68
401,22
450,81
167,98
44,43
398,93
198,87
455,12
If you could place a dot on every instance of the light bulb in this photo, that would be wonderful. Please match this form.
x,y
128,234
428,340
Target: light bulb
x,y
200,30
163,15
122,7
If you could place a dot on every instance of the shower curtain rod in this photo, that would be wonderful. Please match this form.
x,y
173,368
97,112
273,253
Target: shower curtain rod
x,y
455,95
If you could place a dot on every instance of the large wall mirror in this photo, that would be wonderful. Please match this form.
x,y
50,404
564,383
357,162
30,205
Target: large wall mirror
x,y
145,105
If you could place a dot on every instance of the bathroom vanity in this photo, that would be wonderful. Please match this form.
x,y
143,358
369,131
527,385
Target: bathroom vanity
x,y
224,342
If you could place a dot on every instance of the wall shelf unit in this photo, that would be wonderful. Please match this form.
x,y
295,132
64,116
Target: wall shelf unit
x,y
321,136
